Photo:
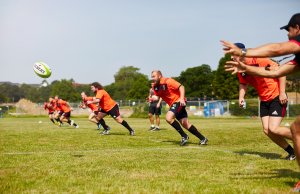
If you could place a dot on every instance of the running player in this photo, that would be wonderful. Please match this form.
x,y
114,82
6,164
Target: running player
x,y
154,109
95,110
273,99
173,94
108,107
66,109
51,110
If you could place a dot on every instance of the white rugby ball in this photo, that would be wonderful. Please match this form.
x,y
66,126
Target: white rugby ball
x,y
42,69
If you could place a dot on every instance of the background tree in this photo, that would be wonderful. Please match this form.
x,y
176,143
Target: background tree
x,y
197,81
225,85
125,79
65,90
13,93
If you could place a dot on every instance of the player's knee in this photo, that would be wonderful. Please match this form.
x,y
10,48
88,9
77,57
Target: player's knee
x,y
295,127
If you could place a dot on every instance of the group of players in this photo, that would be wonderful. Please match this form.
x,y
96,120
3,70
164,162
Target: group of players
x,y
270,90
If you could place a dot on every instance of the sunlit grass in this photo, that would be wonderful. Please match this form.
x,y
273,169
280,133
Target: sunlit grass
x,y
42,158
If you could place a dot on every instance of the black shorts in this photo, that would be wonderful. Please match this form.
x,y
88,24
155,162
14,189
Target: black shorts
x,y
153,109
114,112
66,114
272,108
179,111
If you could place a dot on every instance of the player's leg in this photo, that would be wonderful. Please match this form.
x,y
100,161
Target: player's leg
x,y
191,128
157,117
170,118
295,128
115,113
274,123
51,117
150,114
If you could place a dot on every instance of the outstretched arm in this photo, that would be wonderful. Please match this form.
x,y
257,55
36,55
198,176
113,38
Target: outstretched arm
x,y
267,50
238,66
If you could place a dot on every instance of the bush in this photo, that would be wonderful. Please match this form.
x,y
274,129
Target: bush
x,y
294,110
140,111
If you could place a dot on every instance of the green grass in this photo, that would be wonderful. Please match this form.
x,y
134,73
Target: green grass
x,y
42,158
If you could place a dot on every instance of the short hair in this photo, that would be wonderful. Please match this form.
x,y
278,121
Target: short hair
x,y
97,85
157,71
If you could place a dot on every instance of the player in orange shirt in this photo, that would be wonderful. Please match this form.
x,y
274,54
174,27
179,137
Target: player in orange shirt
x,y
273,99
95,110
51,110
65,108
173,94
108,106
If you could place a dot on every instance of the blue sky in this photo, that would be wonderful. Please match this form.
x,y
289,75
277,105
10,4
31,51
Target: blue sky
x,y
90,40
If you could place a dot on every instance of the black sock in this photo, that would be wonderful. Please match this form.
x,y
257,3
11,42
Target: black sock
x,y
290,150
102,122
69,121
195,132
52,121
125,124
58,120
178,128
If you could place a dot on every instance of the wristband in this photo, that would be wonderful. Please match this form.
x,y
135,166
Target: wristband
x,y
243,52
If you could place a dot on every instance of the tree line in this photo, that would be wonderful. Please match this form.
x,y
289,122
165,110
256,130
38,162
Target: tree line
x,y
200,82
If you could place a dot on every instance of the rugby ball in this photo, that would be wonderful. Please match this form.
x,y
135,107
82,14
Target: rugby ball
x,y
42,69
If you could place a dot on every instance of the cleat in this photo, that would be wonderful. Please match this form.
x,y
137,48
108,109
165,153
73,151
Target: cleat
x,y
105,132
76,127
297,187
184,140
132,133
151,128
155,129
203,141
291,157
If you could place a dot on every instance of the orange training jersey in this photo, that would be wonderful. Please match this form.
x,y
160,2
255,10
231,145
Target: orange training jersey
x,y
106,102
62,105
267,88
168,90
48,105
93,107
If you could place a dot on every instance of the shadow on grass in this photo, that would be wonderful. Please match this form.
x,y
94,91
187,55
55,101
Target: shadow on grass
x,y
275,173
272,156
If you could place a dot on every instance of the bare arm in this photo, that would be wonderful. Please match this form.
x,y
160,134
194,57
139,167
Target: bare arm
x,y
267,50
282,95
94,101
238,66
182,93
242,93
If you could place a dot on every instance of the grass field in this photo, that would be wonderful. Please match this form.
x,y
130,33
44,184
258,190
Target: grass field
x,y
42,158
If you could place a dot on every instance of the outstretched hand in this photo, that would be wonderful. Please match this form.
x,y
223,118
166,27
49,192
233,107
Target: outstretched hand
x,y
230,48
235,66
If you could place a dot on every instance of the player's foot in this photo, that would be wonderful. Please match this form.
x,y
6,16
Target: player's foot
x,y
76,127
105,132
132,133
151,128
184,140
297,187
203,141
291,157
156,129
